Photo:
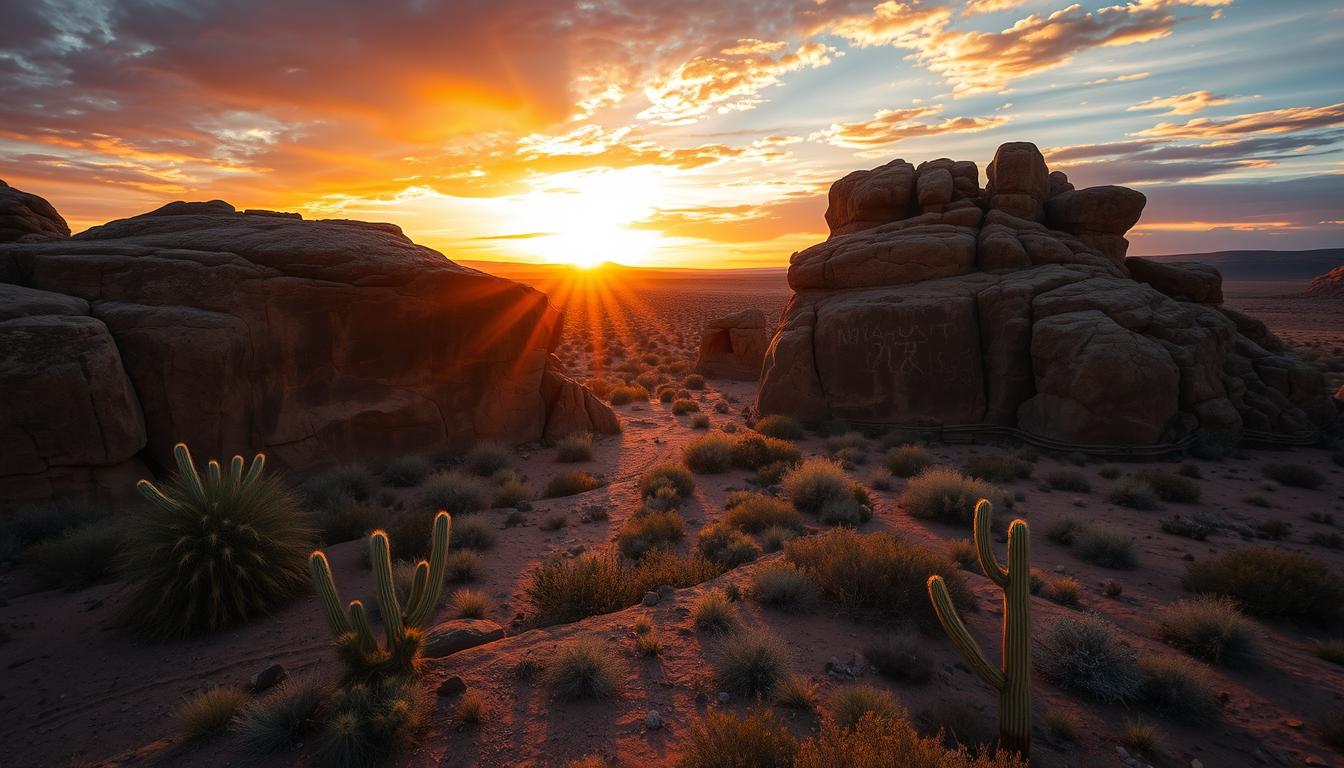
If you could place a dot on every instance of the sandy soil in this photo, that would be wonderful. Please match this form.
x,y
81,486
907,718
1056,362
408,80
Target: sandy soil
x,y
78,689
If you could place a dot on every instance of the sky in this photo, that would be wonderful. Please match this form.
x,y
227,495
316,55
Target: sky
x,y
694,133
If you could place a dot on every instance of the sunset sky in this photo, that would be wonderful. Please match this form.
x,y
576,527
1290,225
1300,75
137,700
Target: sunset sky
x,y
670,132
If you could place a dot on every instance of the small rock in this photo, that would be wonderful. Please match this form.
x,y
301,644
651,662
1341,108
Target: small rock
x,y
452,686
653,720
1122,752
666,591
1059,569
523,506
650,598
723,697
1195,763
268,678
576,550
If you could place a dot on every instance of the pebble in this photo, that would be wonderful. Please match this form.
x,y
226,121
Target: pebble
x,y
653,720
452,686
651,598
723,697
268,678
1059,569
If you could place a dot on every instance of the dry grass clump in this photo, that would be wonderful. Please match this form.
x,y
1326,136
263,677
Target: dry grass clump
x,y
647,530
1294,475
875,575
820,487
1177,688
1271,583
725,740
1135,494
209,712
726,546
783,587
512,492
693,381
753,451
1168,487
575,447
713,611
1065,590
998,468
1329,650
470,709
683,406
1082,654
900,656
944,494
963,553
368,721
1143,739
1068,480
782,427
1106,547
472,532
1331,727
77,558
340,483
754,513
851,702
284,717
626,394
908,460
584,668
708,455
885,742
485,459
571,484
750,663
668,481
455,492
462,565
470,603
1210,628
565,590
406,471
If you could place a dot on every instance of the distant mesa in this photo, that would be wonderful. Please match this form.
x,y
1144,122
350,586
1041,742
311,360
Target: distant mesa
x,y
316,341
1330,285
937,303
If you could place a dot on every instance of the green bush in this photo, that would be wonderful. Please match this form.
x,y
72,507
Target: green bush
x,y
908,460
946,495
78,558
709,455
454,492
876,575
750,663
485,459
820,487
1294,475
726,740
754,512
585,668
781,427
782,586
212,552
1271,583
648,530
571,484
998,468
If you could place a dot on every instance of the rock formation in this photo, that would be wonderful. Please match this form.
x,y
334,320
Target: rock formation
x,y
27,218
733,347
1329,285
316,341
936,303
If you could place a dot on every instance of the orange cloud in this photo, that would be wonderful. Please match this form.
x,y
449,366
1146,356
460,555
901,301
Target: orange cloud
x,y
1269,121
888,23
889,126
976,7
1182,104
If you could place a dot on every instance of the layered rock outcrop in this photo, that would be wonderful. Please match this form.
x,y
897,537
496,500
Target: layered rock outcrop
x,y
316,341
937,303
733,347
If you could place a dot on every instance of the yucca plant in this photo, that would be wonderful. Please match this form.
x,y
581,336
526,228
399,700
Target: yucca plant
x,y
355,641
215,551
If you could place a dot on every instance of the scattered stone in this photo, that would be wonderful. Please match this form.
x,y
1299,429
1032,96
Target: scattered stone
x,y
650,598
268,678
653,720
452,686
723,697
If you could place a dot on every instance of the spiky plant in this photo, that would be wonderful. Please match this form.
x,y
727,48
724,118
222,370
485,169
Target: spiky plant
x,y
355,641
212,552
1012,677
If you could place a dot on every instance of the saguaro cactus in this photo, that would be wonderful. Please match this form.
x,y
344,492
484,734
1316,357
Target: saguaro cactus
x,y
354,635
1012,678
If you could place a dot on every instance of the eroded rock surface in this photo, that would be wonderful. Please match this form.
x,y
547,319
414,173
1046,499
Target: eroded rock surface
x,y
733,347
933,304
315,341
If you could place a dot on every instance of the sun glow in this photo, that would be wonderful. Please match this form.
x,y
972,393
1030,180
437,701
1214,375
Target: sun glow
x,y
584,218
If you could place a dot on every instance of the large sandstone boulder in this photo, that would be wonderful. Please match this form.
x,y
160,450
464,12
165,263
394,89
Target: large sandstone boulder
x,y
1022,313
315,341
27,218
733,347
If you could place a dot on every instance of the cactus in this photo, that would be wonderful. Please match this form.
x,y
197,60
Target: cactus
x,y
402,625
1012,678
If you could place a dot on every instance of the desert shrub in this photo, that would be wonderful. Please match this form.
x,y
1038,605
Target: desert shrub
x,y
1190,470
576,447
599,387
782,586
724,740
1294,475
1273,530
209,712
875,575
470,603
944,494
663,568
881,479
348,519
901,657
885,742
1109,471
571,484
1135,494
626,394
1061,725
1065,590
1194,527
1271,583
795,692
775,537
1143,739
714,611
1068,480
908,460
962,552
1177,688
1169,487
1106,547
820,487
998,468
78,558
454,492
753,451
485,459
667,477
782,427
754,512
1330,540
709,455
470,709
699,421
512,492
584,668
831,427
846,441
212,552
368,721
648,644
682,406
750,663
283,718
1112,588
851,702
1082,654
471,532
647,530
28,525
1064,530
1331,727
564,590
726,546
462,565
693,381
345,481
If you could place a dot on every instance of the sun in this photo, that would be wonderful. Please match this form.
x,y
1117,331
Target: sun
x,y
585,219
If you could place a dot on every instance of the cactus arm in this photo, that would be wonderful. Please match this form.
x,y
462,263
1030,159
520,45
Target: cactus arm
x,y
327,596
254,471
359,618
236,473
961,638
154,495
214,473
380,557
418,584
419,614
191,479
984,545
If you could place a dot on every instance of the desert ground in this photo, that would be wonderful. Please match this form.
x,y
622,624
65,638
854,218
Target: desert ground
x,y
80,690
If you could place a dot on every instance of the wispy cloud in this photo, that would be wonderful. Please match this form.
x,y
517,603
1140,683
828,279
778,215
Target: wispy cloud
x,y
1182,104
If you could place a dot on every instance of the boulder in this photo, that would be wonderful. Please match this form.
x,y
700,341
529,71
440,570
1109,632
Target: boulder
x,y
314,341
1025,315
27,218
1328,285
865,199
455,635
733,347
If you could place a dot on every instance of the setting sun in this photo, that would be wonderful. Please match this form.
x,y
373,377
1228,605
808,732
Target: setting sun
x,y
584,218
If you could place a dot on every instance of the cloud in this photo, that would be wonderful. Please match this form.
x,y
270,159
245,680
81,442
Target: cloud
x,y
1132,76
888,23
1270,121
977,7
1182,104
889,126
1141,161
730,81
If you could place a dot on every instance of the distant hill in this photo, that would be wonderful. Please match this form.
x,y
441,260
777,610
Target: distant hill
x,y
1267,265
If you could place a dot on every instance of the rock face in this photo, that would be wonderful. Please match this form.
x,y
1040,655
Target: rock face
x,y
1015,306
315,341
733,347
27,218
1331,284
